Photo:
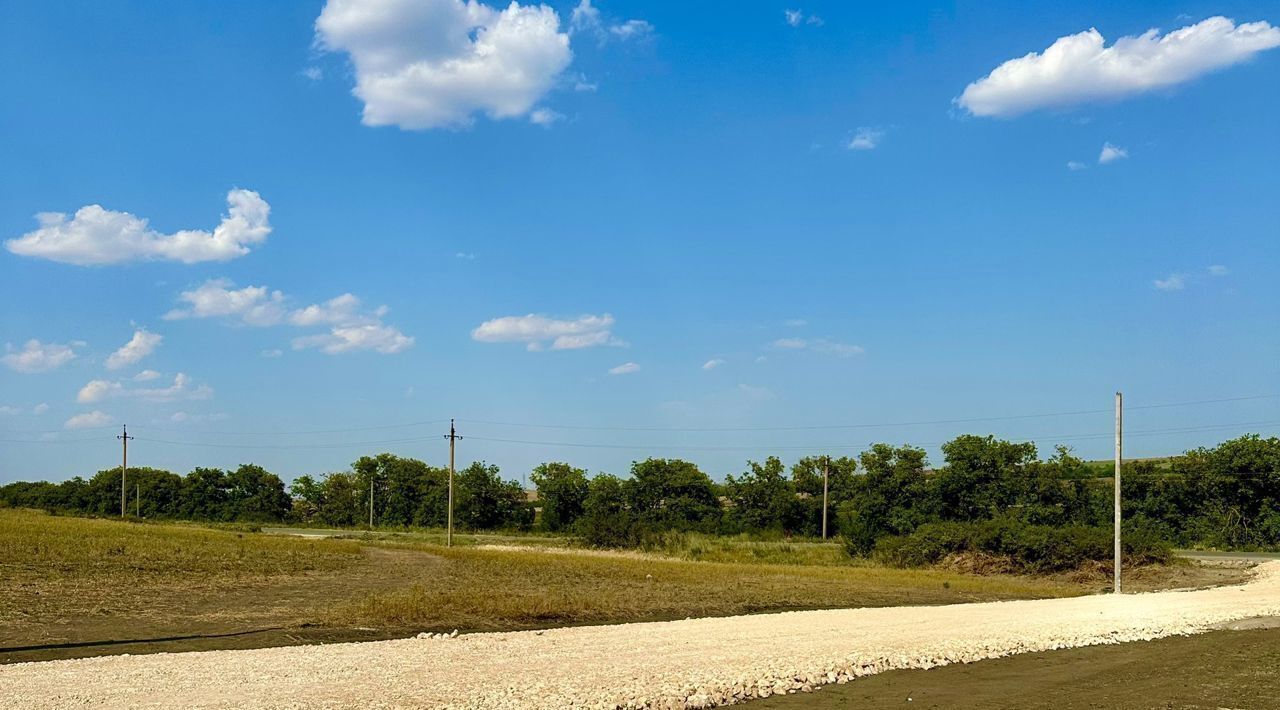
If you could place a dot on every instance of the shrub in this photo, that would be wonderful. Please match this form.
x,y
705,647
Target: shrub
x,y
1030,548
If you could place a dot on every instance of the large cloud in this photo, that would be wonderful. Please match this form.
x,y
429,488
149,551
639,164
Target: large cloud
x,y
431,63
183,388
1079,68
350,327
95,236
35,356
536,330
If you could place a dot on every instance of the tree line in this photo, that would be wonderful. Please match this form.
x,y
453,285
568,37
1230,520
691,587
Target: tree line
x,y
1224,496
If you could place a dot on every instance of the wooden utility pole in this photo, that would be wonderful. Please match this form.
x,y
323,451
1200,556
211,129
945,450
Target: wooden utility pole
x,y
826,466
370,501
452,436
124,466
1119,456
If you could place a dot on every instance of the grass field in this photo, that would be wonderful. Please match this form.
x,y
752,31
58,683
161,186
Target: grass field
x,y
76,587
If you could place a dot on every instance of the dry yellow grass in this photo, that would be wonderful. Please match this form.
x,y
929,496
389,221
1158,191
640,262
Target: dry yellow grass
x,y
480,589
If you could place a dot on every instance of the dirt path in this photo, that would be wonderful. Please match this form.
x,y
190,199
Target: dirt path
x,y
695,662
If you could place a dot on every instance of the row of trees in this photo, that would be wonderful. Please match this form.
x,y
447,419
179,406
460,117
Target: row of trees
x,y
249,493
1225,496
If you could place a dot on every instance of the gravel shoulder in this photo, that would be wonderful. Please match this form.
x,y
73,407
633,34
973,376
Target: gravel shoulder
x,y
690,663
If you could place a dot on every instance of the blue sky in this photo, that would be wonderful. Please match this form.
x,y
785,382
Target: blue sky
x,y
760,220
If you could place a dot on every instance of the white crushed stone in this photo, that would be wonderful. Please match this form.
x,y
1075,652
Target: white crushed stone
x,y
695,663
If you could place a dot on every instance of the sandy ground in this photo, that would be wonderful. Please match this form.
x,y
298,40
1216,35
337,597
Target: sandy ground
x,y
691,663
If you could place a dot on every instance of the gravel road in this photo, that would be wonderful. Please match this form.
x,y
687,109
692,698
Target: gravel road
x,y
691,663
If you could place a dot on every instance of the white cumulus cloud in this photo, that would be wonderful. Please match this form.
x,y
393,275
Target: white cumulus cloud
x,y
350,326
142,344
1080,68
88,420
378,337
713,363
35,356
146,376
1172,282
39,409
217,298
96,236
536,331
625,368
436,63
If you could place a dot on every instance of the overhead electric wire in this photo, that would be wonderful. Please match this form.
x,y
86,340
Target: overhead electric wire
x,y
538,425
871,424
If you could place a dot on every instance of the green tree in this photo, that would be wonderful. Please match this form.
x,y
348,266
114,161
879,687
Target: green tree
x,y
341,499
607,519
984,476
763,498
308,494
486,502
255,494
672,494
806,475
890,498
562,493
204,494
406,491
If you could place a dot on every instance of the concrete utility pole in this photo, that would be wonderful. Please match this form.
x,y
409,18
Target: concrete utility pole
x,y
1119,455
452,436
124,466
826,466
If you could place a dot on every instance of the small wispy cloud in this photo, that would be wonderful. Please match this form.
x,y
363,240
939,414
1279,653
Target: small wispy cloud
x,y
1111,153
1179,281
755,392
865,138
820,345
545,117
1076,165
625,368
713,363
795,18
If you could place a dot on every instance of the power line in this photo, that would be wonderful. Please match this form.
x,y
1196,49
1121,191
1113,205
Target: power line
x,y
537,425
572,444
873,424
829,447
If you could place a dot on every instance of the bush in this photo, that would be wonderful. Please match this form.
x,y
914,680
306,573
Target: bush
x,y
1029,548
